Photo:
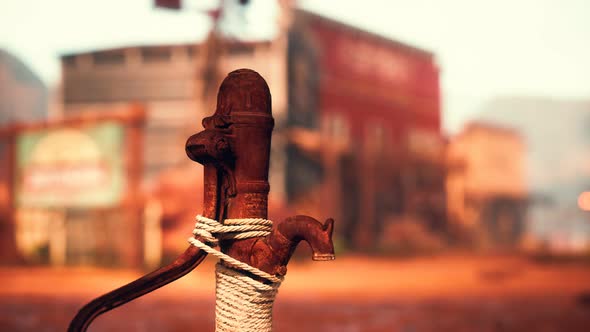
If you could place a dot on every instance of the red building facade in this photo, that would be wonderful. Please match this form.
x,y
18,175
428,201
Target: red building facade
x,y
368,78
374,106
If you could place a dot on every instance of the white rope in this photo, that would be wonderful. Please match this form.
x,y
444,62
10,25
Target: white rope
x,y
243,303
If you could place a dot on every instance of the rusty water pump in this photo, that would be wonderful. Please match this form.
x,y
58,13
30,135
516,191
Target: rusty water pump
x,y
234,149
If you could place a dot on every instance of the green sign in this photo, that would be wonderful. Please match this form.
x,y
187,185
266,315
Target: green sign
x,y
70,167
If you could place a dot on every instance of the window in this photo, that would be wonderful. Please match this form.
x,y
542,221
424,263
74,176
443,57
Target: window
x,y
377,135
192,51
335,126
69,61
116,57
240,49
156,54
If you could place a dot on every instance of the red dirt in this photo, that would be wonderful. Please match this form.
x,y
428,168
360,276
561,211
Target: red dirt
x,y
349,294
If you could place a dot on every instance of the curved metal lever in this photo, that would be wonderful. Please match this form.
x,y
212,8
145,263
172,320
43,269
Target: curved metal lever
x,y
185,263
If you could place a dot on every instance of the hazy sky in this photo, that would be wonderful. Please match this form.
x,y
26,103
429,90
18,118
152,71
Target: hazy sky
x,y
484,48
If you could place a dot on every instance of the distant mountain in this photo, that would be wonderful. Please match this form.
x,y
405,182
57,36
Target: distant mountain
x,y
557,135
23,96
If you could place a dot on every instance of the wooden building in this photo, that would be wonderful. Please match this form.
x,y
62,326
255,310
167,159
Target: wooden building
x,y
372,107
486,184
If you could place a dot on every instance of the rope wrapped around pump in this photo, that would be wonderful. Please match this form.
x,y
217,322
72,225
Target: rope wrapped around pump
x,y
242,303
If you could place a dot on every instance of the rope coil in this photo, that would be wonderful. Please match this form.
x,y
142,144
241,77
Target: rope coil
x,y
243,303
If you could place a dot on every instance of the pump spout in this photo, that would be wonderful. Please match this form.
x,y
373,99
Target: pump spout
x,y
272,254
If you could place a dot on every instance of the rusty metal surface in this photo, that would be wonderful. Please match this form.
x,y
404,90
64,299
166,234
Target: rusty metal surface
x,y
236,143
235,151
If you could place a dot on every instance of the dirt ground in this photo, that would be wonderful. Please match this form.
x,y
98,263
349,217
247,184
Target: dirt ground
x,y
445,293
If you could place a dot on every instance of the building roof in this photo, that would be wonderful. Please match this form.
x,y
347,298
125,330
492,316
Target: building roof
x,y
23,96
368,34
490,127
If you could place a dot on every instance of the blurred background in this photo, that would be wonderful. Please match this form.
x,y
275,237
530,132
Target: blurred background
x,y
449,141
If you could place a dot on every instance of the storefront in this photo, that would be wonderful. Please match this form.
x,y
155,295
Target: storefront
x,y
73,189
